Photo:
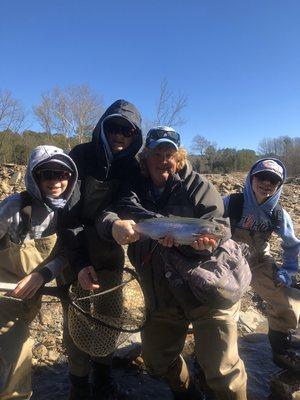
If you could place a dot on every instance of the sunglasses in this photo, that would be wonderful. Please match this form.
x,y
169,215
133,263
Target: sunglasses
x,y
116,129
156,134
49,175
266,176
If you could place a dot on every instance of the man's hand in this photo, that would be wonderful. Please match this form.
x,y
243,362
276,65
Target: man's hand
x,y
168,241
123,232
204,243
28,286
88,279
200,244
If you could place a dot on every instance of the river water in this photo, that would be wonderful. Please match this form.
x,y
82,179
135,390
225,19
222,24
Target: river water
x,y
51,383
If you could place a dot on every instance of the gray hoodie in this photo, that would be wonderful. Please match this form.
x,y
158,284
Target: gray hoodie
x,y
43,218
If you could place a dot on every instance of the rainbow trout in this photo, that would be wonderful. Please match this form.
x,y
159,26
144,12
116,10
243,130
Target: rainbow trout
x,y
182,229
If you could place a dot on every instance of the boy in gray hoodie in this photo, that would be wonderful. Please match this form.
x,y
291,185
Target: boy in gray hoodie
x,y
28,258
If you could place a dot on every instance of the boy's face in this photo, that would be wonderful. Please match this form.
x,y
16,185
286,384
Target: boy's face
x,y
264,186
53,183
119,137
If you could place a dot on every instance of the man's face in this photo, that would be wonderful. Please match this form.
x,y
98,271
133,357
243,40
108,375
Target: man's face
x,y
161,162
53,183
119,137
264,185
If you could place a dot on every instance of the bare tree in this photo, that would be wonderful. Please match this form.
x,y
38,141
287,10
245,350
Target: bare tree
x,y
200,144
265,146
270,147
170,107
285,148
12,114
44,113
72,111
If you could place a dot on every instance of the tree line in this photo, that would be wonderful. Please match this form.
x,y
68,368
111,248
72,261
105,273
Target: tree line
x,y
68,115
206,157
16,147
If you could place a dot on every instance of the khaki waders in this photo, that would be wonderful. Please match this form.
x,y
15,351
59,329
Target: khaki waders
x,y
215,333
283,303
17,261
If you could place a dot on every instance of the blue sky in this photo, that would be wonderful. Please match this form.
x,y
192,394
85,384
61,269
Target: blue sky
x,y
237,61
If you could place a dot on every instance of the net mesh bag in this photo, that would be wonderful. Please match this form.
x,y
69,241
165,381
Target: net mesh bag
x,y
101,320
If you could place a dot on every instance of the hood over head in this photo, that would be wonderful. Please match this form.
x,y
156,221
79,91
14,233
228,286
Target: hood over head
x,y
44,156
268,165
123,113
265,164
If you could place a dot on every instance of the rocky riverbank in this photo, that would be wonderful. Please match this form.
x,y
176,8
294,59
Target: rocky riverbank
x,y
49,360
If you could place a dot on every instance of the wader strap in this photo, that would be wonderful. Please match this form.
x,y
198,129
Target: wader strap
x,y
235,211
25,213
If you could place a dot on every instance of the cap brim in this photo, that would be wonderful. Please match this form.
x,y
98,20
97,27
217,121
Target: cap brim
x,y
155,143
270,171
54,165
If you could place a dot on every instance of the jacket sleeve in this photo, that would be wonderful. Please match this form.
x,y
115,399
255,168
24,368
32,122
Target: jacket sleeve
x,y
226,200
127,205
5,217
70,233
53,268
207,201
104,223
74,250
208,204
290,244
10,218
204,196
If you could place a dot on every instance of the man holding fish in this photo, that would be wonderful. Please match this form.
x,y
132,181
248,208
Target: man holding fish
x,y
172,263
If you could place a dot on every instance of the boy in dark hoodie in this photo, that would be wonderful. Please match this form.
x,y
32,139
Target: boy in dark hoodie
x,y
254,215
28,223
102,164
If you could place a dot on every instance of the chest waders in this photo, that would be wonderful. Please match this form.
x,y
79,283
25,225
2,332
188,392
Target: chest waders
x,y
283,303
17,261
106,255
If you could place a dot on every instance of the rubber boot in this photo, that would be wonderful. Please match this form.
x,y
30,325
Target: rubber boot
x,y
79,388
104,386
285,354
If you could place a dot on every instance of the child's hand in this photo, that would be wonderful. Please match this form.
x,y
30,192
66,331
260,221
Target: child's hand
x,y
28,286
283,278
88,279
